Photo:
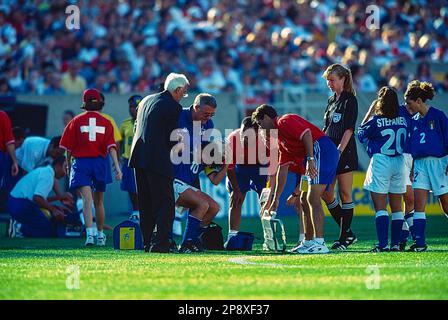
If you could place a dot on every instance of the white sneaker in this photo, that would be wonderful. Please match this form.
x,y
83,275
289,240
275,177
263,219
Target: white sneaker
x,y
101,240
298,245
303,246
90,241
315,248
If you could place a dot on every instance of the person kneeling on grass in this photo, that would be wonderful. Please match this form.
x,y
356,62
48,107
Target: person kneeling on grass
x,y
202,207
31,210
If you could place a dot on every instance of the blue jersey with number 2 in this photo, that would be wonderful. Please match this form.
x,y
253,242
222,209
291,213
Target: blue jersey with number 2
x,y
383,135
429,134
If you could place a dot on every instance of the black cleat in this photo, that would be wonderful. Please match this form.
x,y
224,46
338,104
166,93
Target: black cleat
x,y
190,247
402,245
351,239
339,245
377,248
416,248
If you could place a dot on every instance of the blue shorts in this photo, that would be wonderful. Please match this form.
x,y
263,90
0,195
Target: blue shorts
x,y
108,170
326,157
248,177
128,180
90,172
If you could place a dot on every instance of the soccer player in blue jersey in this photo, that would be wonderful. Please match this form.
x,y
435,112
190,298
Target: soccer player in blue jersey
x,y
202,208
385,132
429,149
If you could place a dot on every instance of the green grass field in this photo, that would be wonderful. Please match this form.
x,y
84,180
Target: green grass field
x,y
42,268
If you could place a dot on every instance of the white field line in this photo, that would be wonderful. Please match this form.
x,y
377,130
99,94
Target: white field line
x,y
246,262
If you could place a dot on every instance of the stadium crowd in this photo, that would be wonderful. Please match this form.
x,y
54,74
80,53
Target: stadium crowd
x,y
130,46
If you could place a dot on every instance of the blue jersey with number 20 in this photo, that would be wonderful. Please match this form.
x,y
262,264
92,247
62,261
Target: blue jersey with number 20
x,y
383,135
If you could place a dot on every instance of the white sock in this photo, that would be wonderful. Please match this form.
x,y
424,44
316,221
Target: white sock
x,y
89,232
100,234
232,233
301,237
136,213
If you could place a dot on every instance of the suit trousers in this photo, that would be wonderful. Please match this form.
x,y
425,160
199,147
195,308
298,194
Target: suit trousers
x,y
156,205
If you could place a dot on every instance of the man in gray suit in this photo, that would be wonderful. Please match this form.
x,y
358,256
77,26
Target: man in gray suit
x,y
157,117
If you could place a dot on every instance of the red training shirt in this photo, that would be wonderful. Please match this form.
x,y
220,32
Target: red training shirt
x,y
6,136
291,129
88,135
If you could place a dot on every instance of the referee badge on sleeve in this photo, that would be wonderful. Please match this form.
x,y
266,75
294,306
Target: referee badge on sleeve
x,y
337,117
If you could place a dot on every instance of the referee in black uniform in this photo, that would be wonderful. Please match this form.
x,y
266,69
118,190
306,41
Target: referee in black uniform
x,y
340,121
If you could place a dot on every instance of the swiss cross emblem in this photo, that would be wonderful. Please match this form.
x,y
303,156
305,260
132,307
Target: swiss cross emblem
x,y
92,129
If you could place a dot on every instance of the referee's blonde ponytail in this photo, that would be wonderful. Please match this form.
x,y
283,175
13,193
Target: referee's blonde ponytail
x,y
341,72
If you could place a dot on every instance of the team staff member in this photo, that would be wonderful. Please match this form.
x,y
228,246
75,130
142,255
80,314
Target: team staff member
x,y
157,117
29,203
300,140
339,125
127,133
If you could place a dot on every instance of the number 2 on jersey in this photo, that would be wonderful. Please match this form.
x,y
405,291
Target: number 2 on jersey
x,y
422,138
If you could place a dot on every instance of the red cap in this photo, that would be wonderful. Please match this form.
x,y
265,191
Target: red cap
x,y
91,95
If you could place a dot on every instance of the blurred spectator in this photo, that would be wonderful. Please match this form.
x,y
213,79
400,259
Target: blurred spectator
x,y
129,46
444,84
424,73
72,81
362,81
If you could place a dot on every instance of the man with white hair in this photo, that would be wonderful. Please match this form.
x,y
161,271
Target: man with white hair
x,y
157,118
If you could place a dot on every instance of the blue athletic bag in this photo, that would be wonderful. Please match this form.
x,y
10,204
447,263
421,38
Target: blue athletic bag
x,y
242,241
128,236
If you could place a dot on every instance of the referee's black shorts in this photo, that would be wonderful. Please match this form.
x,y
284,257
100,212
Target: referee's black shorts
x,y
348,161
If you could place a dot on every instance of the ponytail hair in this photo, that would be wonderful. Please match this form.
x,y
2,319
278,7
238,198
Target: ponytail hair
x,y
416,89
341,72
387,103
